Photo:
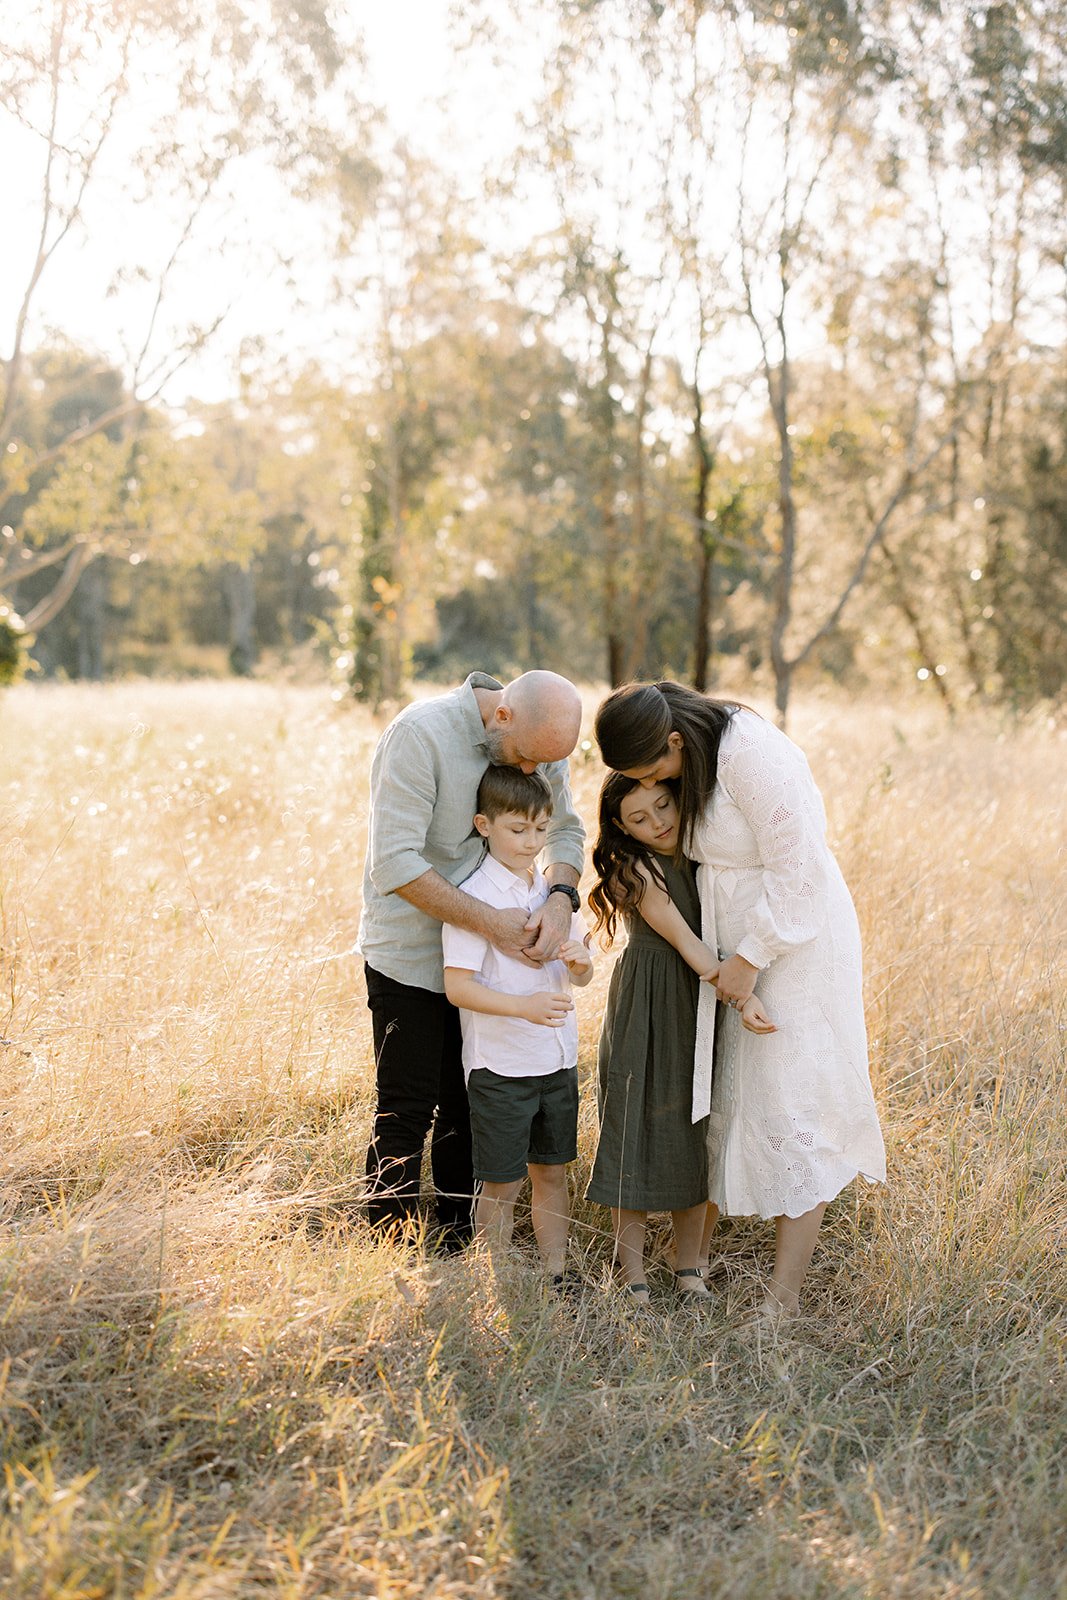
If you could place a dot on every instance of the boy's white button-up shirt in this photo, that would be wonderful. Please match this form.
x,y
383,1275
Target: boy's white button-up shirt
x,y
510,1046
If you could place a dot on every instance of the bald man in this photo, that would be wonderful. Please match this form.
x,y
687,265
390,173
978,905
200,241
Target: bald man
x,y
422,845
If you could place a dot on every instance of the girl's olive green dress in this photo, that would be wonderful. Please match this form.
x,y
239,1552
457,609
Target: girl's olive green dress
x,y
651,1155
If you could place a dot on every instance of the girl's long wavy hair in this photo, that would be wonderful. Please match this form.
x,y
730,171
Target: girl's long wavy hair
x,y
616,857
634,724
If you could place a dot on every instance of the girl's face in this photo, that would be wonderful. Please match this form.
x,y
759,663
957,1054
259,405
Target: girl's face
x,y
651,817
668,765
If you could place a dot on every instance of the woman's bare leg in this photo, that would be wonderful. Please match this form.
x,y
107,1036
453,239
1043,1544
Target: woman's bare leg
x,y
794,1244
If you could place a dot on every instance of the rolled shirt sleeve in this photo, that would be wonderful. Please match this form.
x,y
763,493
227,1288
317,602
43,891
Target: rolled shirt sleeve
x,y
405,783
565,842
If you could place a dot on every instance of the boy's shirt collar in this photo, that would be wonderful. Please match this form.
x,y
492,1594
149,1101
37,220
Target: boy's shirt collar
x,y
512,882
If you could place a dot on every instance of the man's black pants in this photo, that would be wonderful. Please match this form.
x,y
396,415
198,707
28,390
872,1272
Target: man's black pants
x,y
418,1050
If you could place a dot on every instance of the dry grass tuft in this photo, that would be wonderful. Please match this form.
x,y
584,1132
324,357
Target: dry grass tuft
x,y
215,1383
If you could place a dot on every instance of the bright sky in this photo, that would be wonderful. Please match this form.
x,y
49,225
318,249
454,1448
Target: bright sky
x,y
407,54
458,119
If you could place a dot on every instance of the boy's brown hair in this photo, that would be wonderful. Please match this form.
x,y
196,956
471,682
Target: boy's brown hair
x,y
503,789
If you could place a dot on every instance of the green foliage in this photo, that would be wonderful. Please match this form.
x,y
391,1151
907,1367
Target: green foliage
x,y
10,651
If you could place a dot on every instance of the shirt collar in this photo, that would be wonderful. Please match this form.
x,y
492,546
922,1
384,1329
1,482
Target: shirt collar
x,y
471,708
510,882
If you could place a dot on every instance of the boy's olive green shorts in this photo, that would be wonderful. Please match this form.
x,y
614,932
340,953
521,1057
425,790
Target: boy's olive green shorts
x,y
515,1121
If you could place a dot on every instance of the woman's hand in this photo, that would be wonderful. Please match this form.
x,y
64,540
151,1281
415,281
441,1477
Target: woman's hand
x,y
736,980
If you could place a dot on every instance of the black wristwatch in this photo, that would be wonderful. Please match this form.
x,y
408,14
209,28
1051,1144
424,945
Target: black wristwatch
x,y
572,894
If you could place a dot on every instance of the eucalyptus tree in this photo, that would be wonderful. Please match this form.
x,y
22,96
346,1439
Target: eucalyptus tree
x,y
144,127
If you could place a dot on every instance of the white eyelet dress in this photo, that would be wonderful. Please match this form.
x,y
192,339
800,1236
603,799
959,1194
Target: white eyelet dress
x,y
792,1118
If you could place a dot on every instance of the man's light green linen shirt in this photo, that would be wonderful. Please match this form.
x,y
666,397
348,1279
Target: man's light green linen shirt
x,y
424,785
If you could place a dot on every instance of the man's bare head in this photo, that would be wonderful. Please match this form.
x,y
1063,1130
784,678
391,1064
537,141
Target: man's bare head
x,y
537,718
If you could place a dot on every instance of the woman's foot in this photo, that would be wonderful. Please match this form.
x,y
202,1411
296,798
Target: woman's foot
x,y
779,1304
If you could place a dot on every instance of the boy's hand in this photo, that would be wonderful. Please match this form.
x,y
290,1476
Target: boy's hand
x,y
549,1008
576,956
754,1018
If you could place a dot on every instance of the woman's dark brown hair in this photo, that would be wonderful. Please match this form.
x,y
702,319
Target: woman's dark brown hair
x,y
616,857
634,724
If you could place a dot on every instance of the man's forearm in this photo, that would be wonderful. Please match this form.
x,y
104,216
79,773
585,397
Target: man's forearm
x,y
439,898
560,872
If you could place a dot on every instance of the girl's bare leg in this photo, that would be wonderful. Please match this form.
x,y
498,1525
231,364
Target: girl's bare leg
x,y
688,1238
494,1217
794,1243
711,1222
629,1229
550,1213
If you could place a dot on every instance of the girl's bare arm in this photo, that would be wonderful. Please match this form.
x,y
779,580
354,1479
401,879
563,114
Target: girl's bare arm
x,y
661,913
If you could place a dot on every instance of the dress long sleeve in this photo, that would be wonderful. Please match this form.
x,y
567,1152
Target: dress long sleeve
x,y
770,783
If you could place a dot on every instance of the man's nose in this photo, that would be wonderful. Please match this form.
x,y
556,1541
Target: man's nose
x,y
527,767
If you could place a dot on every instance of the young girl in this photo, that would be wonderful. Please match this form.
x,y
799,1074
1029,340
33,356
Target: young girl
x,y
652,1152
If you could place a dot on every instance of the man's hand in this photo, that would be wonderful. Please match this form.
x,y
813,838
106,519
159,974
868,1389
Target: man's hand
x,y
549,1008
551,924
509,931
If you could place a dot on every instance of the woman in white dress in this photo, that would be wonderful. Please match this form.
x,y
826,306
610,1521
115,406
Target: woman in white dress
x,y
792,1119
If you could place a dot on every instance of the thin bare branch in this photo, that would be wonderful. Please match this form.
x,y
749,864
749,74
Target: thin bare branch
x,y
874,539
56,599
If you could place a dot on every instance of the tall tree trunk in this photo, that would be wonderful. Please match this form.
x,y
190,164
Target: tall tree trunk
x,y
642,566
705,546
239,591
90,611
923,645
787,510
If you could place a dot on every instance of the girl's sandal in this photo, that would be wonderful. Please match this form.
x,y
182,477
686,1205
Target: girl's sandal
x,y
690,1294
639,1295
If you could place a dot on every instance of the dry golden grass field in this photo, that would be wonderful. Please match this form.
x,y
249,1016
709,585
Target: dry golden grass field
x,y
213,1383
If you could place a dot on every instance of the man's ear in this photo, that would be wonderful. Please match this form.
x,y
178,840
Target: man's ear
x,y
482,824
503,714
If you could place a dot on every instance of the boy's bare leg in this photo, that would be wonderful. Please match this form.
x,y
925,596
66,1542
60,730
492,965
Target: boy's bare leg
x,y
550,1213
630,1243
794,1243
494,1217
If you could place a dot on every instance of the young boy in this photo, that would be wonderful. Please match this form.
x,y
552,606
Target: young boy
x,y
520,1034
